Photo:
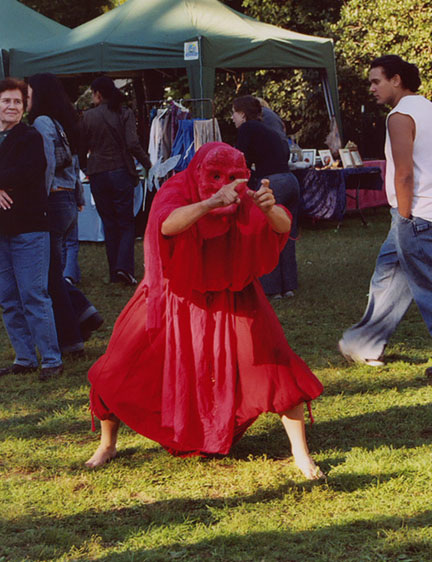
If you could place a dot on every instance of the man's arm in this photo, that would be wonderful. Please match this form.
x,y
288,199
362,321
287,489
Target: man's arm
x,y
402,134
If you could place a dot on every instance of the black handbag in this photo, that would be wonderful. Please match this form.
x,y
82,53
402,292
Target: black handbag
x,y
62,149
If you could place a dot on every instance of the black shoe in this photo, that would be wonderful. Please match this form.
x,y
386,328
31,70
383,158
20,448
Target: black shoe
x,y
126,278
90,324
16,369
47,372
428,372
75,354
70,281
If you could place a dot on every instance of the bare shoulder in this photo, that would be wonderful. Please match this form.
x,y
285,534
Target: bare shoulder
x,y
401,124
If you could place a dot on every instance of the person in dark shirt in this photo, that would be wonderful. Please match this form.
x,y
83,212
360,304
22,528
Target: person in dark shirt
x,y
24,240
110,138
267,155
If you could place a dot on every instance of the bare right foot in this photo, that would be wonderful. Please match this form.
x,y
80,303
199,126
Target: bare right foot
x,y
308,467
101,456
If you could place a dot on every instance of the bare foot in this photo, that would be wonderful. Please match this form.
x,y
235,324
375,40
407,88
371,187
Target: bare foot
x,y
308,467
101,456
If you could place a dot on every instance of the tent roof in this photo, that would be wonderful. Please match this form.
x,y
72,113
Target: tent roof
x,y
20,25
150,34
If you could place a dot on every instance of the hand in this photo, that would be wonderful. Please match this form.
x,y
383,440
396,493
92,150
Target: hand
x,y
263,198
227,195
5,200
80,208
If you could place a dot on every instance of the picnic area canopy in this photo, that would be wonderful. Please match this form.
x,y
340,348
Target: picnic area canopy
x,y
150,34
20,25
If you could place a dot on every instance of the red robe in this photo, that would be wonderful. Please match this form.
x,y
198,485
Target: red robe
x,y
198,352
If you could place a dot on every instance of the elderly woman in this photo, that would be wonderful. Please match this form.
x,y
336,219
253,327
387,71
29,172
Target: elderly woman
x,y
24,240
265,150
198,353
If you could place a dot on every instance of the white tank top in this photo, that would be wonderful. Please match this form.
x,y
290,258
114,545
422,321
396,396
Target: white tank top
x,y
420,110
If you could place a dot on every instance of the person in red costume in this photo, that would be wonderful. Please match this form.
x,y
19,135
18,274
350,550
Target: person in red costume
x,y
198,353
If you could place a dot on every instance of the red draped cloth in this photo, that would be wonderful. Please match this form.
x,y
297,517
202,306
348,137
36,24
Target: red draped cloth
x,y
198,352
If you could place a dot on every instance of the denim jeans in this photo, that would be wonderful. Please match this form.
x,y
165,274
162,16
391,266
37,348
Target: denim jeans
x,y
69,303
283,278
402,272
70,255
113,193
24,299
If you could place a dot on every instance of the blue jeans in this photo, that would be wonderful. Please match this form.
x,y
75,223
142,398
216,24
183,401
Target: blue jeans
x,y
70,255
283,278
69,304
24,298
113,193
402,272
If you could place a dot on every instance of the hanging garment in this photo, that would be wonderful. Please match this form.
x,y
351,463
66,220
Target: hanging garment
x,y
184,144
206,130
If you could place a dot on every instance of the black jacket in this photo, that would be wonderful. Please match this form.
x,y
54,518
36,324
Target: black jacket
x,y
112,140
263,147
22,176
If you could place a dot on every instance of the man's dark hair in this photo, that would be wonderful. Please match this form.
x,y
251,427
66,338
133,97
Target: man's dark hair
x,y
393,64
249,105
14,84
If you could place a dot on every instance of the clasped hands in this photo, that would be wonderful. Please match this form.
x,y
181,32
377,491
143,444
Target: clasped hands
x,y
228,195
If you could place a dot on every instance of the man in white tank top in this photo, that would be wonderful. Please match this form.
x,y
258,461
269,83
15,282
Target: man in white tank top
x,y
403,270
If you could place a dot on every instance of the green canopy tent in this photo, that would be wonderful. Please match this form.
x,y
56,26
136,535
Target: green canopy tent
x,y
20,25
151,34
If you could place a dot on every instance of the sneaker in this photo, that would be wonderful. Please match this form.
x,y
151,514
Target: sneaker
x,y
48,372
288,294
90,324
428,372
69,280
16,369
126,278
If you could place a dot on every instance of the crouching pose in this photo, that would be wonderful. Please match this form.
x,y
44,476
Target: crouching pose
x,y
198,353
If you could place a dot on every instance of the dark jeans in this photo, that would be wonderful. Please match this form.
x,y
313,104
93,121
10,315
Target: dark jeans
x,y
284,277
69,304
113,193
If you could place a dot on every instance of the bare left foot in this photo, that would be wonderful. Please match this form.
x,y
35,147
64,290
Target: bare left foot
x,y
310,470
101,456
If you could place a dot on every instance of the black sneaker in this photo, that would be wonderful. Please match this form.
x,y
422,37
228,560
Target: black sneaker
x,y
16,369
48,372
90,324
126,278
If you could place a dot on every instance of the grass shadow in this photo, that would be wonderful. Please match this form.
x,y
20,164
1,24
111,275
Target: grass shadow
x,y
360,539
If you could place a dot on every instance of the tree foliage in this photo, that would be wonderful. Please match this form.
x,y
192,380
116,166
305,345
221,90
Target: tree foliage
x,y
296,95
70,13
368,29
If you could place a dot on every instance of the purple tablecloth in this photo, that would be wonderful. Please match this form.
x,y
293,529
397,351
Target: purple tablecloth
x,y
323,192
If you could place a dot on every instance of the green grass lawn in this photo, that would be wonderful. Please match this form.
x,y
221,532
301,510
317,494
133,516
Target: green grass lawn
x,y
372,436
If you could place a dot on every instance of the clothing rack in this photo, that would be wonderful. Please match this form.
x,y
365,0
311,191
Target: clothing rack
x,y
187,100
